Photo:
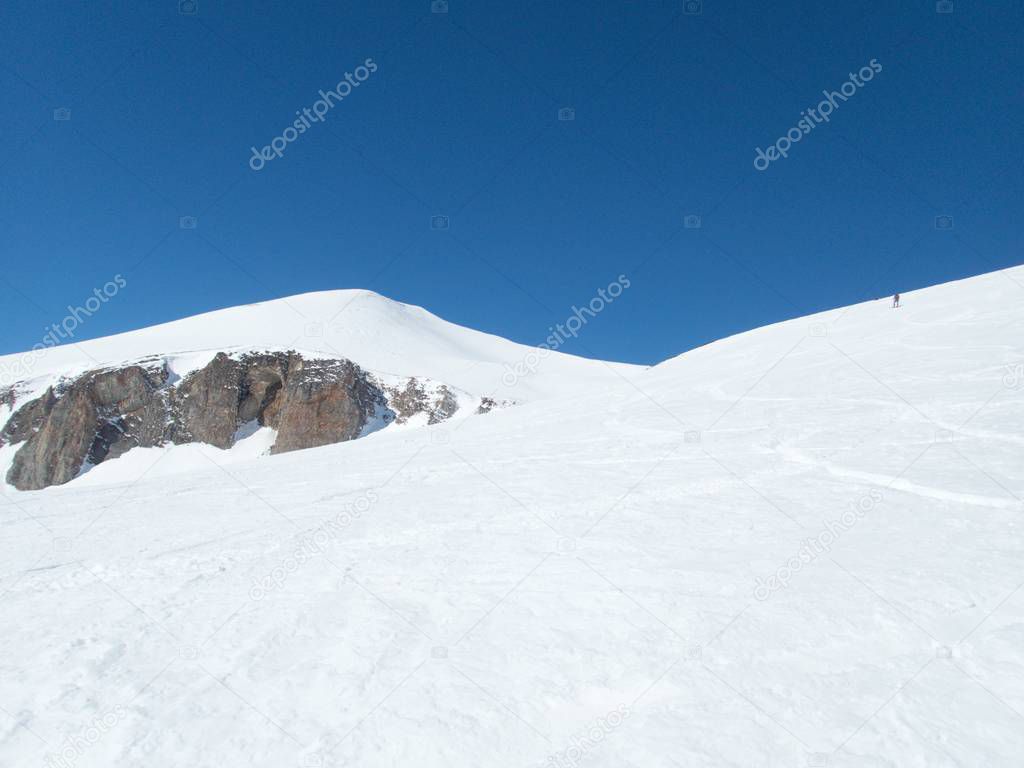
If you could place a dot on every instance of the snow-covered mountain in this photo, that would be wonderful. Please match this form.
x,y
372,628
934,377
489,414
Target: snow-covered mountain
x,y
797,546
235,379
379,334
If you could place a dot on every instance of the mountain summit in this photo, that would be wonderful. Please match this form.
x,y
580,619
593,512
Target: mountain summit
x,y
278,376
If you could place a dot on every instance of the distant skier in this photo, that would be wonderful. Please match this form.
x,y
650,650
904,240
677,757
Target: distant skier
x,y
895,301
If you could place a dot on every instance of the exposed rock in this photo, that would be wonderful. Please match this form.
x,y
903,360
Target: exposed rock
x,y
444,406
55,453
131,409
323,402
127,389
206,403
262,381
488,404
8,396
25,421
414,398
101,414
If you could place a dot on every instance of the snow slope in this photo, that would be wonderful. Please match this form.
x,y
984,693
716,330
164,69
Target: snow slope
x,y
619,578
379,334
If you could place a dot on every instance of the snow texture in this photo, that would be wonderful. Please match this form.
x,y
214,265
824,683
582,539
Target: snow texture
x,y
798,546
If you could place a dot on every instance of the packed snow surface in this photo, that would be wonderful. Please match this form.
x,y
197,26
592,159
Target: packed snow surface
x,y
798,546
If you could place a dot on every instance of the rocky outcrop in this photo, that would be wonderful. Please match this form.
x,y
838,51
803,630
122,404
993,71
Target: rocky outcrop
x,y
101,414
8,396
488,404
25,421
206,403
131,409
96,416
262,381
323,402
56,450
439,403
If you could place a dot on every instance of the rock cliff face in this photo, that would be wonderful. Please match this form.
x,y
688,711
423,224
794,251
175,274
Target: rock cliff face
x,y
56,450
101,414
323,402
98,415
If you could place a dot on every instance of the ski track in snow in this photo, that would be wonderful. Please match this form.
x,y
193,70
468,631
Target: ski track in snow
x,y
568,582
885,481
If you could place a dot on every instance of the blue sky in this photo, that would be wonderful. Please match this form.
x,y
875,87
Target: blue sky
x,y
461,120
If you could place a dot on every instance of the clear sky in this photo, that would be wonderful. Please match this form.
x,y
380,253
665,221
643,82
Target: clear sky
x,y
669,99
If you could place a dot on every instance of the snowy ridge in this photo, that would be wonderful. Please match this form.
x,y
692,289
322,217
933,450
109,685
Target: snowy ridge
x,y
375,332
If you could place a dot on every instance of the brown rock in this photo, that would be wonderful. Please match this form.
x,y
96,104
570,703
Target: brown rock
x,y
443,406
262,382
324,401
207,403
413,399
25,421
104,413
56,452
131,409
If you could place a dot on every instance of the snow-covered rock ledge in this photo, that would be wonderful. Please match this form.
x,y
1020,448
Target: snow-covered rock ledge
x,y
84,420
